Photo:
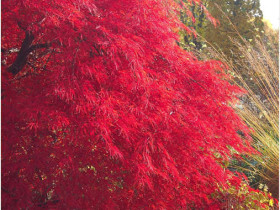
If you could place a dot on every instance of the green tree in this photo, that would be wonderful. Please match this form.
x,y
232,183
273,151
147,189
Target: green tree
x,y
195,17
238,19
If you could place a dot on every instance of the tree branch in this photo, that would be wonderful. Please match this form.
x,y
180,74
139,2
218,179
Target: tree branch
x,y
25,50
21,58
38,46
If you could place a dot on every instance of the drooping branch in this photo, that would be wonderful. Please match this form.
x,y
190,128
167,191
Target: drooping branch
x,y
25,50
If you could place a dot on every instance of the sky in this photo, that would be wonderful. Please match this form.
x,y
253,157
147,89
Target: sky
x,y
271,10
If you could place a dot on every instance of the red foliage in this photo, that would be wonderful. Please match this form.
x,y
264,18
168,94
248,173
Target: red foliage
x,y
102,110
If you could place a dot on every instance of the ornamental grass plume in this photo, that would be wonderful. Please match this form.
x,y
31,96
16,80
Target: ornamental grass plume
x,y
255,69
254,66
260,109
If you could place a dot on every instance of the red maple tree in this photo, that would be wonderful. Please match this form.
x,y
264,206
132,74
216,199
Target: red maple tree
x,y
102,110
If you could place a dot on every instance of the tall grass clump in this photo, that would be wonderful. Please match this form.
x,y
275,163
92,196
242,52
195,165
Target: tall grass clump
x,y
260,108
253,64
255,68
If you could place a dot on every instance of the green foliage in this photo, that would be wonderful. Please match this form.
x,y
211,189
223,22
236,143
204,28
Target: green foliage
x,y
244,17
195,17
244,197
235,19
